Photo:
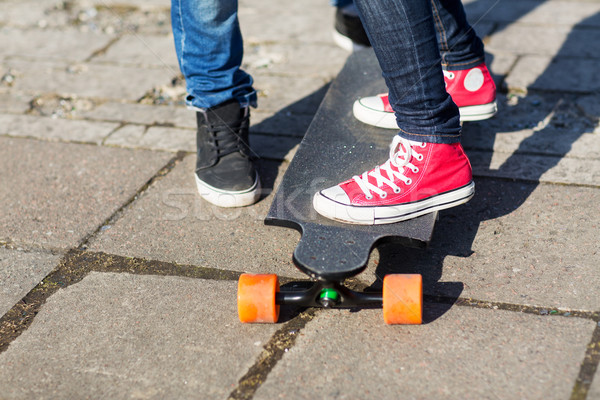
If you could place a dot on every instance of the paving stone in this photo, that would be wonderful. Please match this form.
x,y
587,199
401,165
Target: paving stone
x,y
514,242
296,95
14,103
541,41
594,392
498,11
54,194
48,44
555,125
290,21
55,128
534,12
547,169
124,336
20,271
553,13
154,138
275,147
87,80
172,139
143,50
462,353
170,222
590,106
143,114
24,13
499,65
282,123
560,41
561,74
296,61
143,5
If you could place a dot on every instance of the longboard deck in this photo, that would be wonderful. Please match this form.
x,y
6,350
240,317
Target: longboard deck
x,y
336,147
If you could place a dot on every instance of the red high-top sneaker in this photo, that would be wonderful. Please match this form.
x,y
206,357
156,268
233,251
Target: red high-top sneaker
x,y
419,178
473,90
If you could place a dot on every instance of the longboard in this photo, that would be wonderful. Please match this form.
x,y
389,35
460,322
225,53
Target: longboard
x,y
336,147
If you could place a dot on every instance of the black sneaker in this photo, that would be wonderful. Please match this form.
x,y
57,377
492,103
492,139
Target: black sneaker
x,y
349,33
225,172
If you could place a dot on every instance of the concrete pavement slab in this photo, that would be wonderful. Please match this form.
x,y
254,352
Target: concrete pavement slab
x,y
123,336
86,80
304,59
462,353
20,271
49,44
55,128
515,243
594,392
154,138
552,40
143,114
54,194
170,222
282,123
548,74
553,13
552,125
24,13
275,147
548,169
142,50
498,11
291,21
14,103
301,95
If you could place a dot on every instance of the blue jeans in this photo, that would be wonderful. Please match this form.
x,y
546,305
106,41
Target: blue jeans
x,y
403,36
209,49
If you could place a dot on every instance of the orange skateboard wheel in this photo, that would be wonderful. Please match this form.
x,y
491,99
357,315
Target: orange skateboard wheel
x,y
256,298
403,299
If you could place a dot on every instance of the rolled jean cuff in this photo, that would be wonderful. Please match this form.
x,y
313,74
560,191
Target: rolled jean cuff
x,y
462,65
245,100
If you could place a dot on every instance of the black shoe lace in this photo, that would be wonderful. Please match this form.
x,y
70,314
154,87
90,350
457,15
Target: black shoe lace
x,y
228,139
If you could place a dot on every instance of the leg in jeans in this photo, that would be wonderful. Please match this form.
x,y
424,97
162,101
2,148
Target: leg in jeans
x,y
209,49
427,168
467,78
459,45
403,36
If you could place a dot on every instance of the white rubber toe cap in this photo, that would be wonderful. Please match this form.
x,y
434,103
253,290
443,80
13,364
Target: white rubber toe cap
x,y
370,110
336,194
372,103
328,201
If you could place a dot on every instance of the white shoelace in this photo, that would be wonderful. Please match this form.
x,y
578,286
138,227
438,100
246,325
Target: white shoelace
x,y
401,153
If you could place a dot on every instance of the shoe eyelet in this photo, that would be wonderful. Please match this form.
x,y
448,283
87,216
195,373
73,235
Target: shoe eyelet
x,y
419,157
423,145
383,196
397,190
408,181
415,170
369,197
